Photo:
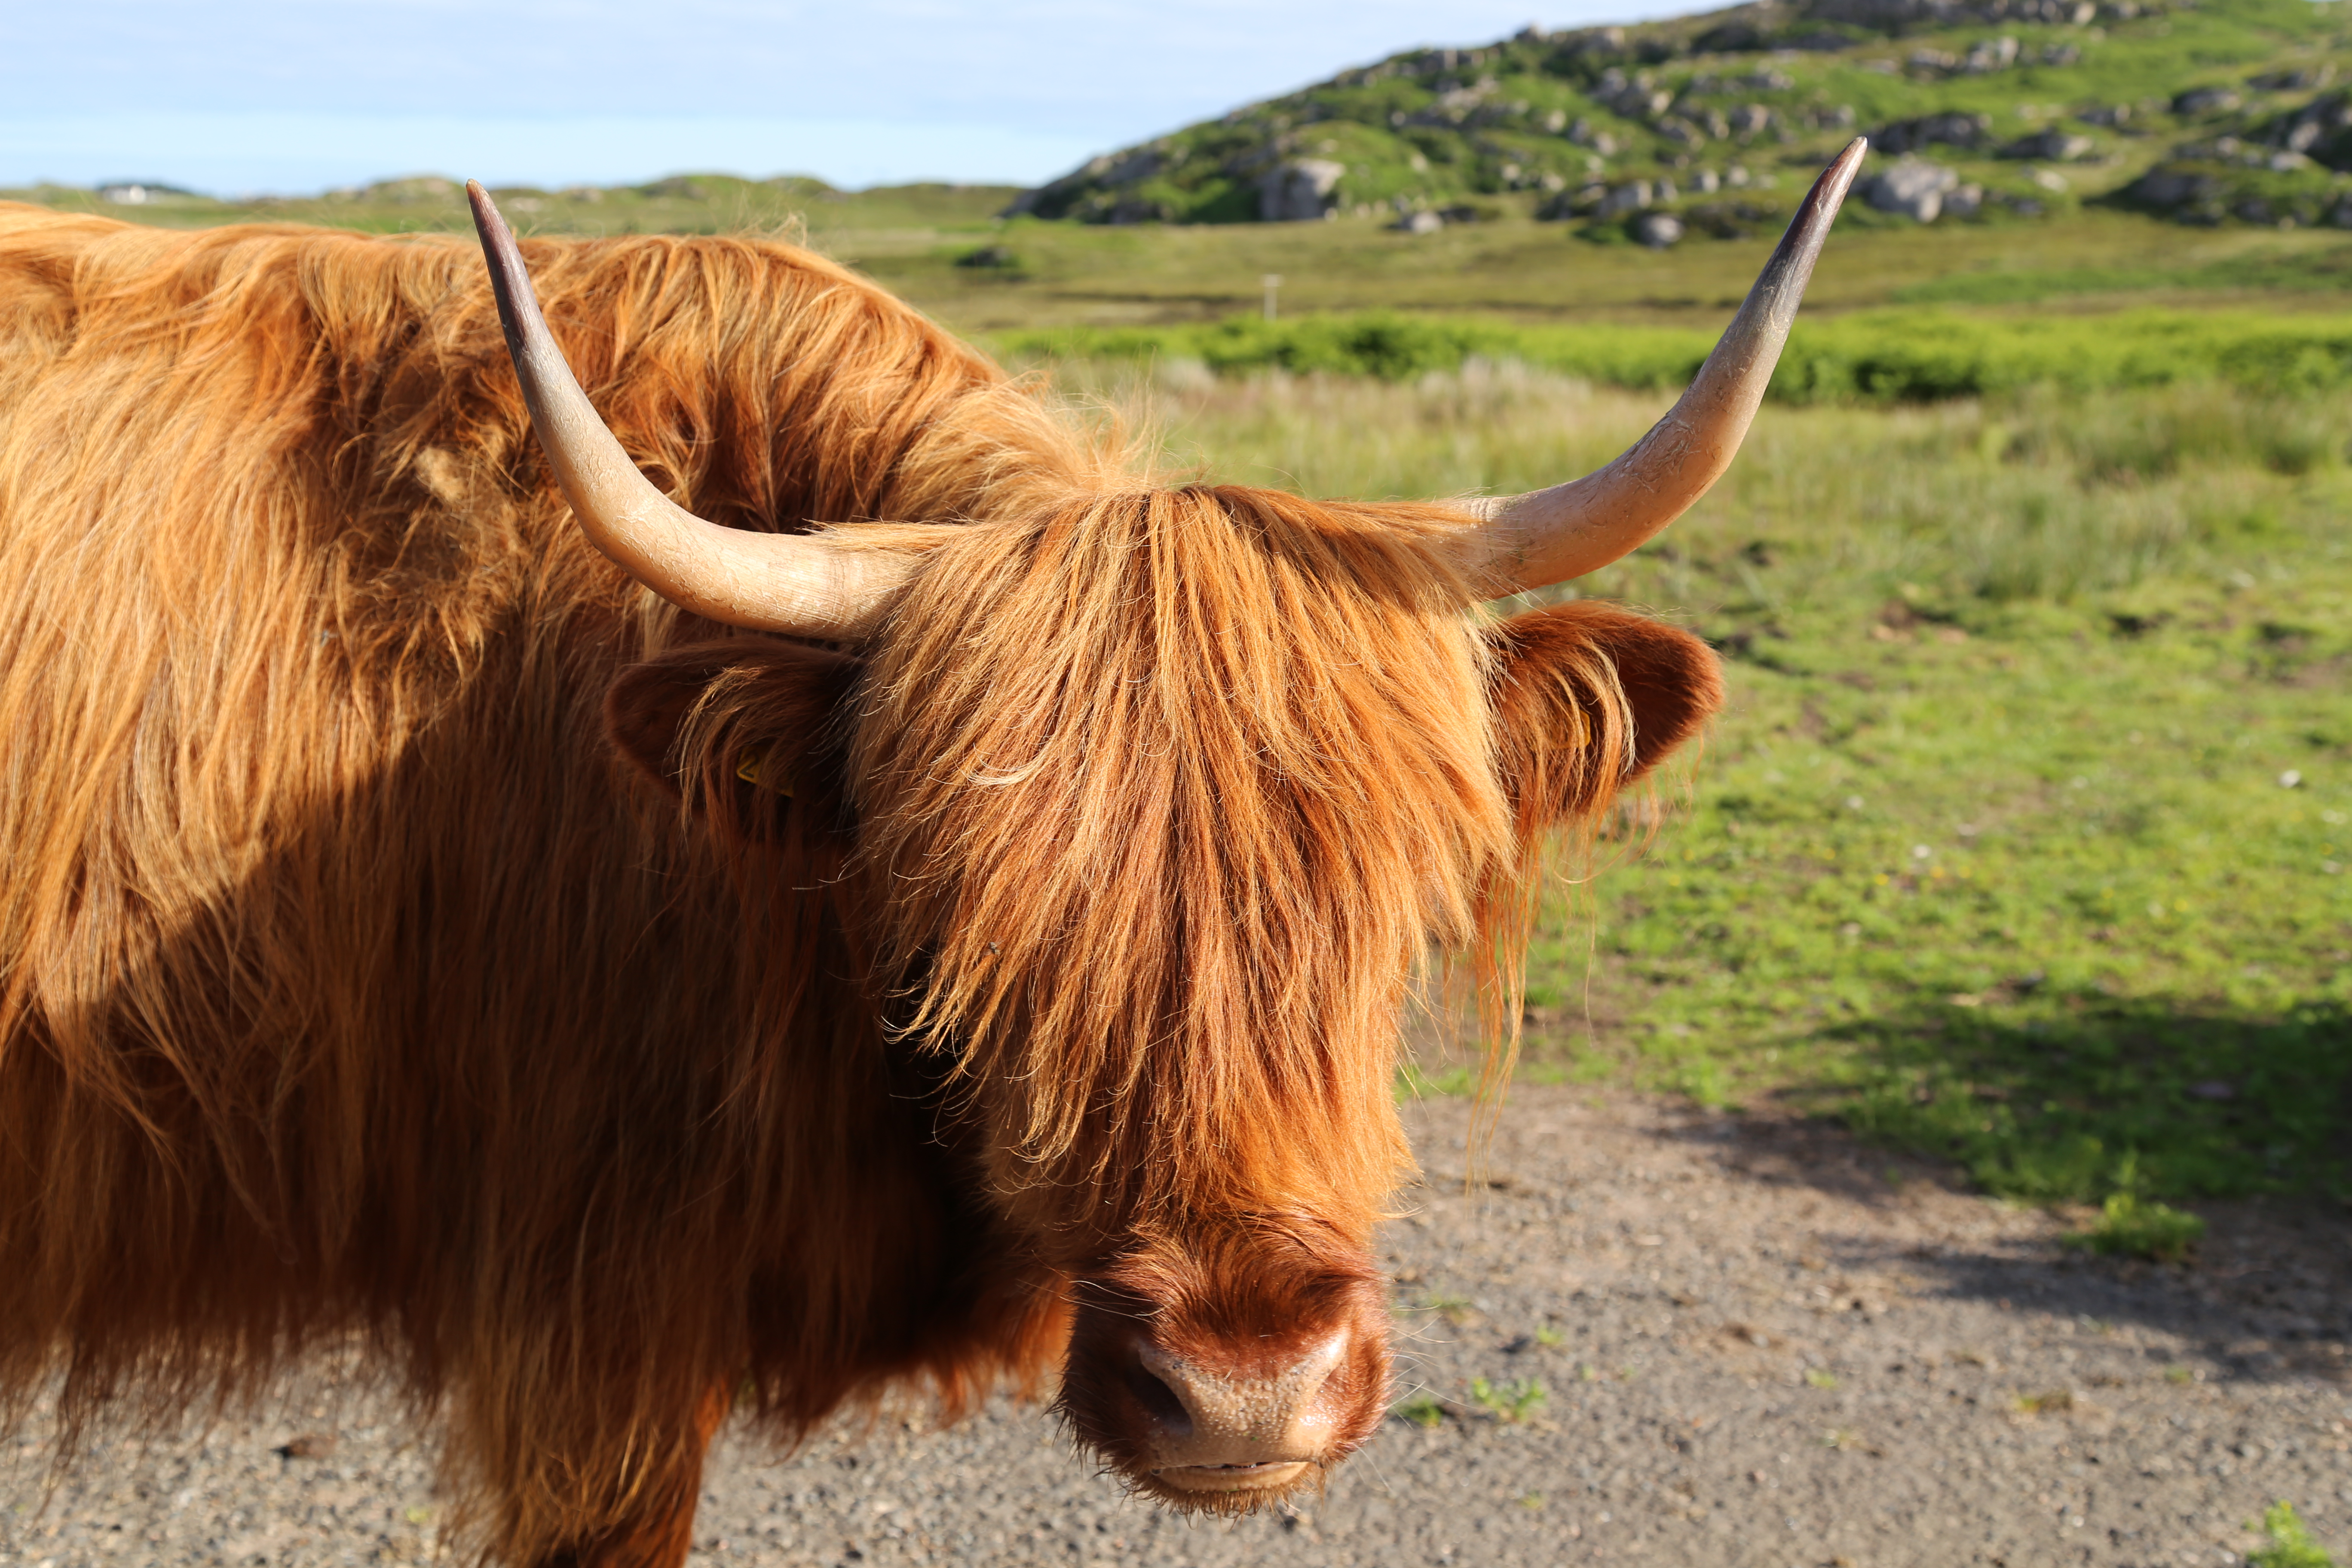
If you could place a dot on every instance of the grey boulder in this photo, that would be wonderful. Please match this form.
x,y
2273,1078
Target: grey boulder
x,y
1912,187
1658,230
1302,188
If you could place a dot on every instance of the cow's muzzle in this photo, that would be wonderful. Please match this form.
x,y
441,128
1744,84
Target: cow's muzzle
x,y
1209,1431
1224,1376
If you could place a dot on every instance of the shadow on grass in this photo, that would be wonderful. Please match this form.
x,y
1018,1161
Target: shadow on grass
x,y
2095,1096
2242,1118
2265,1295
2263,1301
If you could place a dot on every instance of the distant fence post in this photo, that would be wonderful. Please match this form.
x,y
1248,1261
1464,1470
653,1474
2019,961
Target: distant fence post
x,y
1273,282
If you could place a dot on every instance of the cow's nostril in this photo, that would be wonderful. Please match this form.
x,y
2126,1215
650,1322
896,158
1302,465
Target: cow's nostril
x,y
1159,1402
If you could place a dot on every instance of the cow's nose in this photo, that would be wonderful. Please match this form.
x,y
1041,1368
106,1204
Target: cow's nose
x,y
1218,1430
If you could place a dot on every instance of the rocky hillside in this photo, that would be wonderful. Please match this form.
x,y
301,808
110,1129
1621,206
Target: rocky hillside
x,y
2202,111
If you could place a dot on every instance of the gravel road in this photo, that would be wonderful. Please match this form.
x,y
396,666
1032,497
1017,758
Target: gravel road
x,y
1758,1344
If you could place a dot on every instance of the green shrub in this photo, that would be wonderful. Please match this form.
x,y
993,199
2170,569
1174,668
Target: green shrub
x,y
1382,345
1448,1083
2130,1229
1421,1409
2291,1545
1915,355
1513,1401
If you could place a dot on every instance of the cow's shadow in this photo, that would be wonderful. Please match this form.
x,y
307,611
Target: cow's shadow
x,y
2174,1101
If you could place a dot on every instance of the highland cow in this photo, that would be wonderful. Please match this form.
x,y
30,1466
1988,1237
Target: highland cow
x,y
822,882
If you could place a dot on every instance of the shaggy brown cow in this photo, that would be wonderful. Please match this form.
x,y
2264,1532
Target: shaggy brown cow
x,y
415,929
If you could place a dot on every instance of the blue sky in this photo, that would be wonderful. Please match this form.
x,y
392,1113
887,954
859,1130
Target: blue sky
x,y
296,96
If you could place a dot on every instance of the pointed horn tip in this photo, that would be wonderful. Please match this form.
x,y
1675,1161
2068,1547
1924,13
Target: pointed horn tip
x,y
509,278
1847,163
1819,207
1843,168
486,217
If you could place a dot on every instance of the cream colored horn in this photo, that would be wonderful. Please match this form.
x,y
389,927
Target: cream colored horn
x,y
1550,536
769,582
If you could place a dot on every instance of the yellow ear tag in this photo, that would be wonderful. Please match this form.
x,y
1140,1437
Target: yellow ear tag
x,y
749,771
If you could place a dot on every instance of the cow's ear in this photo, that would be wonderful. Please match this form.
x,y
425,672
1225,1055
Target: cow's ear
x,y
742,731
1587,699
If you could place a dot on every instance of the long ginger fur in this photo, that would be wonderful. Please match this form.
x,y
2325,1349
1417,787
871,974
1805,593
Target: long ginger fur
x,y
353,982
344,985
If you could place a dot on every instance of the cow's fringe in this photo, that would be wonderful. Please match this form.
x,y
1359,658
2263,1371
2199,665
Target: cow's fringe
x,y
1161,791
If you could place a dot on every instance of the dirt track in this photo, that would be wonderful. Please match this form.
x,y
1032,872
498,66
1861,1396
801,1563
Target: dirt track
x,y
1774,1348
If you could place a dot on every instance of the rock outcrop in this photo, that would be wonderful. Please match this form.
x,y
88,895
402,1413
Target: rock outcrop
x,y
1912,187
1657,230
1298,189
2054,145
1966,131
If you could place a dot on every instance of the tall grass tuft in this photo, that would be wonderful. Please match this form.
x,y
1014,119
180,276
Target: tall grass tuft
x,y
2029,495
2290,1544
2129,1227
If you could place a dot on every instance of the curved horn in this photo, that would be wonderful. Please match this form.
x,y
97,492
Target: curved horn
x,y
768,582
1549,536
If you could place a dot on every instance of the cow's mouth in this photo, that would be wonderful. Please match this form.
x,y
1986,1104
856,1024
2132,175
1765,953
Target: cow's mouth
x,y
1266,1475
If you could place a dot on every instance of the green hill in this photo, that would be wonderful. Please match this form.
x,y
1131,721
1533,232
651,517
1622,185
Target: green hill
x,y
681,203
2214,112
2051,144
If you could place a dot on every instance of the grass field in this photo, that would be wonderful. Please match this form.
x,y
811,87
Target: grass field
x,y
1514,272
2026,838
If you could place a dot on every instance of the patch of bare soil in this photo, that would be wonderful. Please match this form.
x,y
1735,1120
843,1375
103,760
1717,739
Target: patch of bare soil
x,y
1757,1342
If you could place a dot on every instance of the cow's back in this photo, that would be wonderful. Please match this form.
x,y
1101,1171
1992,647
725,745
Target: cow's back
x,y
347,982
